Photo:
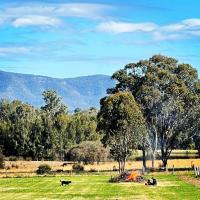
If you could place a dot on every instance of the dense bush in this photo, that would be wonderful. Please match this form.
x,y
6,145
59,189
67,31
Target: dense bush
x,y
197,143
43,169
88,152
12,158
78,168
2,161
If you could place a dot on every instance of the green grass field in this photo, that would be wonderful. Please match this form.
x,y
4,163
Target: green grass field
x,y
95,187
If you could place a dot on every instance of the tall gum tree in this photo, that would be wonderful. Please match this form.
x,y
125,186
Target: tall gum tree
x,y
120,121
168,93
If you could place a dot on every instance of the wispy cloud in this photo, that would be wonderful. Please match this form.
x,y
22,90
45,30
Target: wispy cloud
x,y
181,30
161,36
184,29
36,21
188,24
7,51
122,27
50,14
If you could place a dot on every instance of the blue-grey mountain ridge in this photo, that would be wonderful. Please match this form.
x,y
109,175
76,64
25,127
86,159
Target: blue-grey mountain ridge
x,y
81,92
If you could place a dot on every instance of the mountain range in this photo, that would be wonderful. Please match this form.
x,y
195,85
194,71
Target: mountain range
x,y
81,92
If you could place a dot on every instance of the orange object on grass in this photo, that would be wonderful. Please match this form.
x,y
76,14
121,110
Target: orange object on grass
x,y
133,176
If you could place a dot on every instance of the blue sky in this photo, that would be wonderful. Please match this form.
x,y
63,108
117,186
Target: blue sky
x,y
63,38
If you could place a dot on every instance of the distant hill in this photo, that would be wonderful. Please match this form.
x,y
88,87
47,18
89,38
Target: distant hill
x,y
82,92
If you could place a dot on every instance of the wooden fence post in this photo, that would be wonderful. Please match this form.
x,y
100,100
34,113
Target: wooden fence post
x,y
197,171
173,170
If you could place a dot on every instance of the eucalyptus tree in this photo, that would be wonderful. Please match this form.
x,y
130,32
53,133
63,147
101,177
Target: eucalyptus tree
x,y
120,121
53,103
55,120
168,93
16,120
82,126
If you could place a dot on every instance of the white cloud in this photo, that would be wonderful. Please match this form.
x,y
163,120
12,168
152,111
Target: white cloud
x,y
173,27
184,29
36,21
185,25
159,36
87,10
194,22
4,51
122,27
52,12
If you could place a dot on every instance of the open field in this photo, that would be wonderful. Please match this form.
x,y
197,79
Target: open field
x,y
175,154
96,187
30,167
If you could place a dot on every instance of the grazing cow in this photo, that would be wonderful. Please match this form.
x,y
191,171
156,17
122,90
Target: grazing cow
x,y
62,183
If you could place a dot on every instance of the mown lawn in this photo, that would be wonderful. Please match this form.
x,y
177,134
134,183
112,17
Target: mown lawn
x,y
95,187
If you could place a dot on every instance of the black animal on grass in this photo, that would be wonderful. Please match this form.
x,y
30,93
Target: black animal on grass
x,y
62,183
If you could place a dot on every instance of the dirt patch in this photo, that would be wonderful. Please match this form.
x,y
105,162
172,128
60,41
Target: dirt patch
x,y
191,180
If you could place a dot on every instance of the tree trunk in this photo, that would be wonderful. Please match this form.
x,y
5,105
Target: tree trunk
x,y
153,160
199,152
124,163
119,163
165,163
144,158
164,157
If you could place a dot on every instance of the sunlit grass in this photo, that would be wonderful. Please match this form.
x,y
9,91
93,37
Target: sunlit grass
x,y
95,187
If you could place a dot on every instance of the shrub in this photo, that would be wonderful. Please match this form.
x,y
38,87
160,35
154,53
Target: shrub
x,y
93,170
14,166
59,170
2,161
43,169
12,158
28,159
78,168
8,167
88,152
115,168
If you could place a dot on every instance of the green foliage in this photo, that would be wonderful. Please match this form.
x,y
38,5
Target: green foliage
x,y
12,158
83,127
88,152
2,161
78,168
168,94
43,169
46,133
121,123
197,143
54,105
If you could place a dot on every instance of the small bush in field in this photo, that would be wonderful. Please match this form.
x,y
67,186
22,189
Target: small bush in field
x,y
93,170
78,168
88,152
2,161
12,158
28,159
8,167
43,169
14,166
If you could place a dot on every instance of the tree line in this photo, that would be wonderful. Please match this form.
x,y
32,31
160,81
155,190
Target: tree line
x,y
44,133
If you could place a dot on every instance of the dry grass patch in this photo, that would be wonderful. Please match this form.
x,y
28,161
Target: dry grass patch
x,y
17,167
191,180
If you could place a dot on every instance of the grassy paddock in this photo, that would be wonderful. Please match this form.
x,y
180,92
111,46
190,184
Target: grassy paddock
x,y
30,167
96,187
175,154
